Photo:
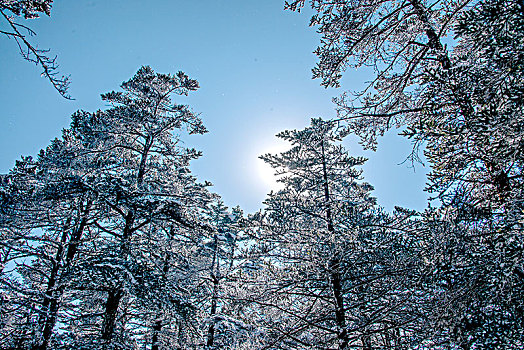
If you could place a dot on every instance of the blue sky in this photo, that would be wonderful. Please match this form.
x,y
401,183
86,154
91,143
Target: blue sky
x,y
253,62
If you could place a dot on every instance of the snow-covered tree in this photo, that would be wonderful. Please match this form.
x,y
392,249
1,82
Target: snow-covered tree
x,y
226,323
472,131
399,39
103,228
46,212
144,175
475,146
330,277
463,105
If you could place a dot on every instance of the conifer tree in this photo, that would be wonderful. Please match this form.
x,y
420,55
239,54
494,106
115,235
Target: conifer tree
x,y
225,322
463,105
145,174
46,212
318,226
81,223
474,148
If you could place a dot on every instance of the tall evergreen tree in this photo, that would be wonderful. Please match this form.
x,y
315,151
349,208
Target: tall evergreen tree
x,y
46,213
79,224
145,174
463,104
325,265
226,323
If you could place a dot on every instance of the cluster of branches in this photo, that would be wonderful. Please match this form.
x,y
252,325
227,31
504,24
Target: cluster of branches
x,y
13,14
108,241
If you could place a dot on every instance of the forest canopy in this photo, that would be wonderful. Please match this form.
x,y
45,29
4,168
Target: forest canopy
x,y
109,241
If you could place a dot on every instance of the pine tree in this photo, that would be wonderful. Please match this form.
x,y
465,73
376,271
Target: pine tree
x,y
47,210
463,105
99,224
227,325
320,229
145,173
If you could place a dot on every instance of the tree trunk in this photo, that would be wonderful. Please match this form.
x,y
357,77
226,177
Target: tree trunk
x,y
51,303
340,317
112,303
50,321
334,266
214,278
115,295
433,39
143,160
51,294
157,327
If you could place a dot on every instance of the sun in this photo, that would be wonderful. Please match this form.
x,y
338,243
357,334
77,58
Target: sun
x,y
264,173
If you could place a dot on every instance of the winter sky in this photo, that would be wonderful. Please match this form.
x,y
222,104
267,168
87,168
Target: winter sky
x,y
253,62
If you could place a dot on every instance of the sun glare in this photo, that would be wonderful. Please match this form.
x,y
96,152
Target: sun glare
x,y
265,174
